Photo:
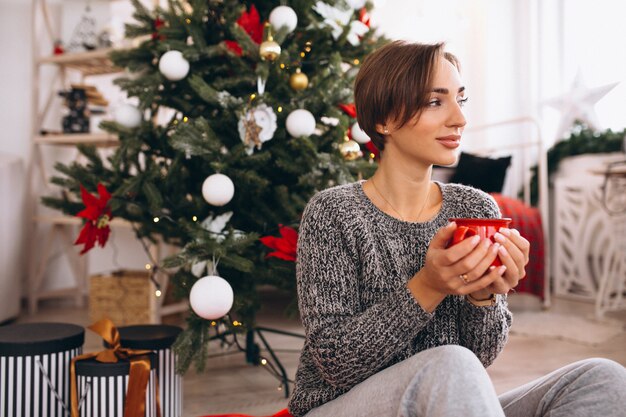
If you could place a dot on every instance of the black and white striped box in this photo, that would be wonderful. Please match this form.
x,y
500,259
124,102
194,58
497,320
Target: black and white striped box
x,y
159,338
35,368
102,387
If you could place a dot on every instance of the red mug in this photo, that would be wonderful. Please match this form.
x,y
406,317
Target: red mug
x,y
485,228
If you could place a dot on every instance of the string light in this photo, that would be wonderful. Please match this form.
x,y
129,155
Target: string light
x,y
372,156
282,66
280,109
148,267
263,361
157,293
213,323
252,96
302,54
156,220
185,119
194,218
188,21
356,61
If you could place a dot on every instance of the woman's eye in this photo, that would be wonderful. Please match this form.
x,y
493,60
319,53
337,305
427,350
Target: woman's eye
x,y
434,103
463,101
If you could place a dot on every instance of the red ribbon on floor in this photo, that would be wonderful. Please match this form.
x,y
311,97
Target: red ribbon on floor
x,y
281,413
135,404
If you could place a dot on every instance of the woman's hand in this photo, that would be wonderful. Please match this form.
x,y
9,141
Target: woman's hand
x,y
461,269
513,253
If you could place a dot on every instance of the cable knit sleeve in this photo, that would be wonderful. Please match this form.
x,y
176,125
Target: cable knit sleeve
x,y
484,330
348,343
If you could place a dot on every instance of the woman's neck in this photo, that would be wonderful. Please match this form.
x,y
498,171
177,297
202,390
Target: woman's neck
x,y
402,193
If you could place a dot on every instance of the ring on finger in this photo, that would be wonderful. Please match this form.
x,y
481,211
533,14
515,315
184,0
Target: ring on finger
x,y
463,277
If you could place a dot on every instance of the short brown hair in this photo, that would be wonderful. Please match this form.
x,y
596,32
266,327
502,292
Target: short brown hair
x,y
394,83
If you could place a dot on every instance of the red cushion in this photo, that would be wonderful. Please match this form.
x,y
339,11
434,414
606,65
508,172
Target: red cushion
x,y
527,220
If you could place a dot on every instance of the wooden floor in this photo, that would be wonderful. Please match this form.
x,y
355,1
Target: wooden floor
x,y
230,385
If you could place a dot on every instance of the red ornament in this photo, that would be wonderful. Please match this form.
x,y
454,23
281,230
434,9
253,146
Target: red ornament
x,y
58,48
98,215
158,23
364,17
285,247
349,109
251,23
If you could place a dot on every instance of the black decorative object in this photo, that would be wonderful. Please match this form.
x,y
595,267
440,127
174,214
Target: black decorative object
x,y
486,174
77,118
35,368
160,338
102,387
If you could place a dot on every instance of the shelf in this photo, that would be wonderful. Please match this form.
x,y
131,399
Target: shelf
x,y
95,62
62,220
97,139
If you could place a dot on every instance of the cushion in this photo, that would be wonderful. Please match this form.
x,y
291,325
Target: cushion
x,y
486,174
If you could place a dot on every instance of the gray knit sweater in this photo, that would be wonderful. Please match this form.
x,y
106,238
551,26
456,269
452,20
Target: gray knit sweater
x,y
359,317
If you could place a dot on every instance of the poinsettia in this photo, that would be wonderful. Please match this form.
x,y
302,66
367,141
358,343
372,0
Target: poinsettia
x,y
285,247
98,215
251,23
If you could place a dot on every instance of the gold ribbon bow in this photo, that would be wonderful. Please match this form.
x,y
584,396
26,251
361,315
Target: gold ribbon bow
x,y
135,404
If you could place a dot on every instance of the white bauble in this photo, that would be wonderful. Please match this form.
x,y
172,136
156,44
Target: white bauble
x,y
128,116
218,189
358,134
300,123
173,66
211,297
283,16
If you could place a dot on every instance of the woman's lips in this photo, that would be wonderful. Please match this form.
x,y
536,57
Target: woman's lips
x,y
452,141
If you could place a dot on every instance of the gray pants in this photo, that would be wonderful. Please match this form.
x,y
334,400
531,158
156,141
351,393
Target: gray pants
x,y
451,381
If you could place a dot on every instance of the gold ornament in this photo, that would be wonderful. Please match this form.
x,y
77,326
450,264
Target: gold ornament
x,y
269,49
350,150
298,80
252,131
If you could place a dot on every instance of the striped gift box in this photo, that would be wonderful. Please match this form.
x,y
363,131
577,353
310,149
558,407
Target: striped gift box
x,y
35,368
159,338
102,387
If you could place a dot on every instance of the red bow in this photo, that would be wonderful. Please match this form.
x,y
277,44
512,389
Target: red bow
x,y
285,247
98,216
251,23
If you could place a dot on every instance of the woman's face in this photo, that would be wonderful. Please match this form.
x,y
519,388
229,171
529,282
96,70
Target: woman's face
x,y
433,136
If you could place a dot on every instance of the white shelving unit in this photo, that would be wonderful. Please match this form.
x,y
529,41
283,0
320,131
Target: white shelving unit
x,y
60,228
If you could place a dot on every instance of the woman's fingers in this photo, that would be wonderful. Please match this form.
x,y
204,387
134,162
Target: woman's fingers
x,y
474,265
513,254
485,281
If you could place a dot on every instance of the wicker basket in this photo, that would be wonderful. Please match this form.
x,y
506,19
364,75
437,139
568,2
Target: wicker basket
x,y
125,297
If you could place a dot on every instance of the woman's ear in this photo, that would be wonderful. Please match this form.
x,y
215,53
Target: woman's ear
x,y
382,129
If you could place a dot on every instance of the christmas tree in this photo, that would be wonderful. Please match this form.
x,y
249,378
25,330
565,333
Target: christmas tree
x,y
259,102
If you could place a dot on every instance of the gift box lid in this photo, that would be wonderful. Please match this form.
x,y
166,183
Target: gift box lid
x,y
27,339
91,367
148,336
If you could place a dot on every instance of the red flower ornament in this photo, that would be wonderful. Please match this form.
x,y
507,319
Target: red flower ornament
x,y
285,247
98,215
251,23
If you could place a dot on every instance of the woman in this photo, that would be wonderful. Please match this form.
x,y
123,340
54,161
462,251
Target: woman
x,y
396,323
